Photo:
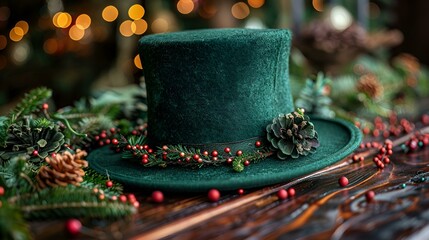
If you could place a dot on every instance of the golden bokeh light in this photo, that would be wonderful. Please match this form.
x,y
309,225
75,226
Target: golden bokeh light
x,y
137,62
50,46
14,36
318,5
139,26
159,25
83,21
110,13
76,33
240,10
23,25
185,6
62,19
136,11
3,42
126,28
18,31
256,3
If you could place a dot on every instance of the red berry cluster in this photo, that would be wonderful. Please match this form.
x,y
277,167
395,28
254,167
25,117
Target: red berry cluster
x,y
384,152
130,198
416,142
386,129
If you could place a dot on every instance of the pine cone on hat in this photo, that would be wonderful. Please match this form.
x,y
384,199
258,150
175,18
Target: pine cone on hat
x,y
62,169
292,135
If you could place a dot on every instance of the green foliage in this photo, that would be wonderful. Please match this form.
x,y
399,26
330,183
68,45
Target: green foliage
x,y
92,180
30,103
71,201
313,97
12,224
4,127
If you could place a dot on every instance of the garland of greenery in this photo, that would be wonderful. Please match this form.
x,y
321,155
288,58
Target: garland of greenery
x,y
29,134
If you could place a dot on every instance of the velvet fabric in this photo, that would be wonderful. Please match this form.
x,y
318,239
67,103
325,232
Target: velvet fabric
x,y
218,88
337,140
215,86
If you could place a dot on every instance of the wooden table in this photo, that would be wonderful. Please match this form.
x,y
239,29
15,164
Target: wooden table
x,y
321,209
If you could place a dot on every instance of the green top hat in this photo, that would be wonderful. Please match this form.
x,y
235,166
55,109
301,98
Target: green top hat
x,y
217,89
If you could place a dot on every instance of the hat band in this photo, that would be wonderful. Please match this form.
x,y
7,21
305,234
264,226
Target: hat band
x,y
246,145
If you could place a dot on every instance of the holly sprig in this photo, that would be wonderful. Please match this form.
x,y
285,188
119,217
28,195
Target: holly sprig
x,y
135,148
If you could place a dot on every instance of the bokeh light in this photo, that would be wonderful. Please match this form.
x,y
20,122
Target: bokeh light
x,y
75,33
50,46
318,5
20,52
126,29
185,6
136,11
62,20
83,21
110,13
23,25
3,42
137,62
16,34
256,3
159,25
240,10
139,26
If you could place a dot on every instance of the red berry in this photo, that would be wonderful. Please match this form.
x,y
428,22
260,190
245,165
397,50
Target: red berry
x,y
35,153
45,106
214,153
123,198
114,198
205,153
258,144
240,191
109,184
115,141
165,147
107,141
150,150
291,192
1,191
157,197
343,181
200,160
239,153
246,163
227,150
145,160
134,132
425,119
103,135
386,160
128,147
213,195
282,194
182,154
136,204
229,160
112,130
73,226
369,196
196,157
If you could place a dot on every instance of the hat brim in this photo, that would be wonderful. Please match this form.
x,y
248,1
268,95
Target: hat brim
x,y
337,138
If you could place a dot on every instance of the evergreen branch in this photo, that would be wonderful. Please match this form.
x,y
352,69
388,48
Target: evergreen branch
x,y
4,128
12,224
70,201
30,103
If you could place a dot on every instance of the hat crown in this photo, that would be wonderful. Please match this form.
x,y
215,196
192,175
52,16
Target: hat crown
x,y
215,86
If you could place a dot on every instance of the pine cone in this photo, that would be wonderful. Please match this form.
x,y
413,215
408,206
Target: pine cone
x,y
63,169
370,85
292,135
28,135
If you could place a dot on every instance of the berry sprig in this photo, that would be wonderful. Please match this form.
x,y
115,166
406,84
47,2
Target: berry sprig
x,y
386,129
135,148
